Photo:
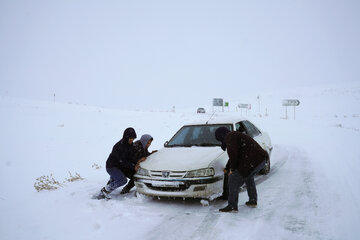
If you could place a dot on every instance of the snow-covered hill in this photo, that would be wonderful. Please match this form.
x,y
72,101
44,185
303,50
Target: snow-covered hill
x,y
312,191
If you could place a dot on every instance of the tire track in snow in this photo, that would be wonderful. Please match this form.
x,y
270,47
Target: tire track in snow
x,y
179,225
207,228
292,202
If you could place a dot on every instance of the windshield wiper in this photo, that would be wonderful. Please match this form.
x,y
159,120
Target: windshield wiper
x,y
194,144
206,145
187,145
180,145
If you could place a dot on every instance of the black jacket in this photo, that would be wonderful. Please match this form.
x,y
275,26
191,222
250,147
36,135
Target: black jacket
x,y
121,155
244,153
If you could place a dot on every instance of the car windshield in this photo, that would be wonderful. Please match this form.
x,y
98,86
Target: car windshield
x,y
197,135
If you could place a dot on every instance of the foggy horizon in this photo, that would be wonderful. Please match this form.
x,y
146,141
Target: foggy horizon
x,y
163,54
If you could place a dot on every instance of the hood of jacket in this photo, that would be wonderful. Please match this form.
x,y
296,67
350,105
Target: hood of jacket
x,y
129,133
145,139
220,135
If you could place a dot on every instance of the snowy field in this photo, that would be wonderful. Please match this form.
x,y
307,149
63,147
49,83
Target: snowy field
x,y
311,192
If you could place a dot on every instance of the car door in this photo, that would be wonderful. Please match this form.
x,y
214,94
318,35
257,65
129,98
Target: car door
x,y
255,133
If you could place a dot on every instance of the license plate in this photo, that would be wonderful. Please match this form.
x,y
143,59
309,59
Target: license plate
x,y
164,184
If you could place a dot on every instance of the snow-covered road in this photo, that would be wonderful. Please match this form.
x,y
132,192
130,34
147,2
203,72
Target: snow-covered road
x,y
310,193
274,217
202,222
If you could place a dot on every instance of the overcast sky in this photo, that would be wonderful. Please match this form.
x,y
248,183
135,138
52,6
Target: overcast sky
x,y
139,54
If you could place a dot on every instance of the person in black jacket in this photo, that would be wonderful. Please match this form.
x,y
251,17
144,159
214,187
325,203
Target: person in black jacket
x,y
120,162
140,152
246,158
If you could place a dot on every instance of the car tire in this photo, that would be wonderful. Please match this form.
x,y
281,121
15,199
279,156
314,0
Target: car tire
x,y
266,169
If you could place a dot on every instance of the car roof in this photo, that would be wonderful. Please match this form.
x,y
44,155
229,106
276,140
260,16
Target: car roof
x,y
218,120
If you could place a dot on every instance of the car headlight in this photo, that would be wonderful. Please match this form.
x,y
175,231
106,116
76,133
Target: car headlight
x,y
143,172
205,172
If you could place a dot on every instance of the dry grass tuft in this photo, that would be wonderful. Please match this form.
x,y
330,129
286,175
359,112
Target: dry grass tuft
x,y
46,183
72,178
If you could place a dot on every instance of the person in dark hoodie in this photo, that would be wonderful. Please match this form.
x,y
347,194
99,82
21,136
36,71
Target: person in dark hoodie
x,y
246,158
120,161
140,153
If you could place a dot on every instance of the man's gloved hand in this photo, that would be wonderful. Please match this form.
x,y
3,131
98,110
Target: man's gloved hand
x,y
137,166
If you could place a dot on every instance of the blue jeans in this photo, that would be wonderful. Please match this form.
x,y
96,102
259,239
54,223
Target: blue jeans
x,y
117,179
236,181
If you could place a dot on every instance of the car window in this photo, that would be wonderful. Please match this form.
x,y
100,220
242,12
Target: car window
x,y
251,129
240,127
197,135
180,136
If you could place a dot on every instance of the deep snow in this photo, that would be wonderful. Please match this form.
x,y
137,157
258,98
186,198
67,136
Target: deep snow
x,y
311,192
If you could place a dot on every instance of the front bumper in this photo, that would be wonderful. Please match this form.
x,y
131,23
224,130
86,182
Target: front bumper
x,y
205,187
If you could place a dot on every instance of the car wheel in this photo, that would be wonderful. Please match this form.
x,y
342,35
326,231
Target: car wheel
x,y
266,169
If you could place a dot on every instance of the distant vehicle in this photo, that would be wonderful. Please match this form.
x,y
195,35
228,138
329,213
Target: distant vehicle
x,y
201,110
191,164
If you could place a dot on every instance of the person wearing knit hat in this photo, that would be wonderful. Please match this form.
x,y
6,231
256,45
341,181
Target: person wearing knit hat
x,y
119,162
140,152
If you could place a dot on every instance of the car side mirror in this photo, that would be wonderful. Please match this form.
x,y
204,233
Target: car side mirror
x,y
166,143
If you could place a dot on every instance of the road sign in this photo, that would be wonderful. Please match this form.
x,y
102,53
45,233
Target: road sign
x,y
226,104
218,102
241,105
290,102
244,106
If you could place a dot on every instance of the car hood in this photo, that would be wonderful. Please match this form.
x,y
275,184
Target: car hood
x,y
182,158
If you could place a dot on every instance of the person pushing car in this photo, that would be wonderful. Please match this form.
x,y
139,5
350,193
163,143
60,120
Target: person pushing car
x,y
246,158
120,161
140,152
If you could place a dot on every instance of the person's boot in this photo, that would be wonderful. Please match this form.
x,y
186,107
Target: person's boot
x,y
128,187
228,208
104,194
125,190
251,203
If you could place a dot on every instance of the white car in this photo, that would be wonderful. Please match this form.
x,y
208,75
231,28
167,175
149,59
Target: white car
x,y
201,110
191,164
